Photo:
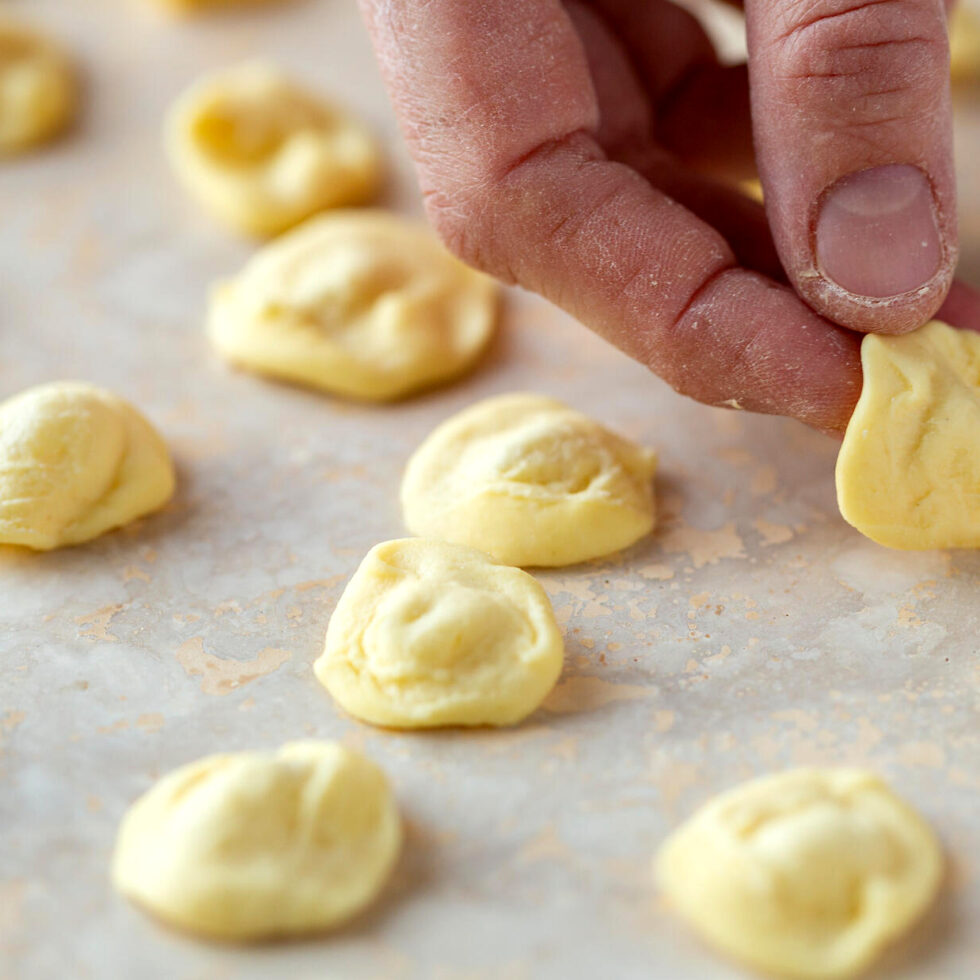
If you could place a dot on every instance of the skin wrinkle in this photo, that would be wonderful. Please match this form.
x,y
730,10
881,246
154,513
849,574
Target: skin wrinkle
x,y
884,91
895,42
801,25
857,126
864,64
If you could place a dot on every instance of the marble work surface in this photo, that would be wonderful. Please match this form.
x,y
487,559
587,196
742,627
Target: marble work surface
x,y
754,630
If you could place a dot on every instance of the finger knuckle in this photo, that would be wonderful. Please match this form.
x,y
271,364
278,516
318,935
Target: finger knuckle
x,y
702,358
487,212
463,222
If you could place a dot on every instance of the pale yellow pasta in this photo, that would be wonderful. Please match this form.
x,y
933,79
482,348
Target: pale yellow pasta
x,y
261,152
964,43
37,87
908,472
429,634
806,874
258,845
530,481
76,461
361,304
197,6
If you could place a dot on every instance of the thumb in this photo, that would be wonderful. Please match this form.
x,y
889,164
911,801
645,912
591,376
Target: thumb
x,y
853,129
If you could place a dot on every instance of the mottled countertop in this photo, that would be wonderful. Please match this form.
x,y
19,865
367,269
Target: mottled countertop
x,y
754,630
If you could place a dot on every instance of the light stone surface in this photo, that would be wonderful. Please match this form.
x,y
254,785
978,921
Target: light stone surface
x,y
754,630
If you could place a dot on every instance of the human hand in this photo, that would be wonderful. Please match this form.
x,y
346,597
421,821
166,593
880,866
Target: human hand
x,y
565,147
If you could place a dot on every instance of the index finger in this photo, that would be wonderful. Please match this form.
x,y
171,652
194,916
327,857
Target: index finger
x,y
497,105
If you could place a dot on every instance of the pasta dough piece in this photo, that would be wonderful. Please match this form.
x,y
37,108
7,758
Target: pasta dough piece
x,y
964,43
37,87
908,472
530,481
358,303
192,6
806,873
428,634
259,845
76,461
261,153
